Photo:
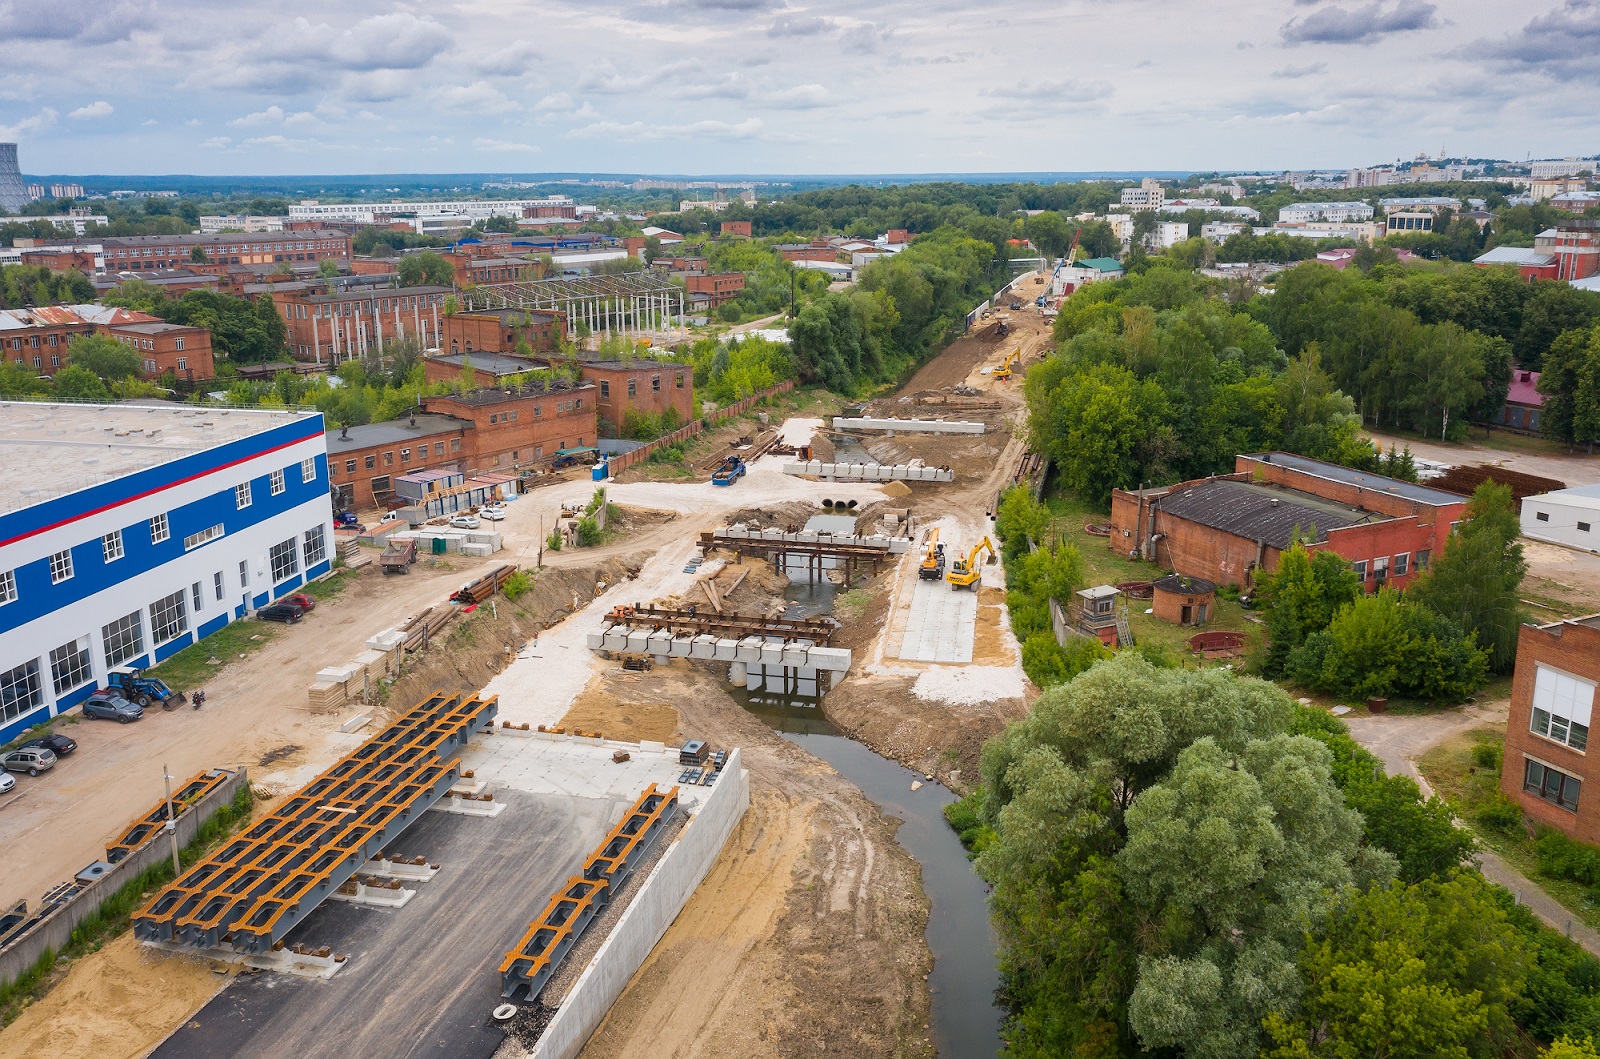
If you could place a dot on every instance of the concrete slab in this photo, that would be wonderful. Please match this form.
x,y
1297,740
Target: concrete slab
x,y
941,624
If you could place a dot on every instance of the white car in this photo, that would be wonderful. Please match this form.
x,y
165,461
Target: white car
x,y
7,781
492,512
464,522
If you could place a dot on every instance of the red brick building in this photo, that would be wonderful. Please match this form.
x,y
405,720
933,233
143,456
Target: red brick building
x,y
146,252
500,330
488,369
680,264
1232,528
820,250
897,237
328,328
38,339
735,228
710,291
474,269
644,387
60,258
1547,732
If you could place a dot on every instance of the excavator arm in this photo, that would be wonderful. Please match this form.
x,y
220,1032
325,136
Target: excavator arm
x,y
964,573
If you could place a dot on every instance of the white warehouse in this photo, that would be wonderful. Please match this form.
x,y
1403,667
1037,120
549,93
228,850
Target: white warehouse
x,y
1569,517
129,532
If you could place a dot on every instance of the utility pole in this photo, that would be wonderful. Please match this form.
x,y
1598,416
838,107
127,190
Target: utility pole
x,y
172,823
792,273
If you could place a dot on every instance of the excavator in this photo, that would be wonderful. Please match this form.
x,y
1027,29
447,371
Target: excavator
x,y
932,557
965,573
1003,372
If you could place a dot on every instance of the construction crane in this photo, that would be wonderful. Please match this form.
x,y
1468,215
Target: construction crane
x,y
964,573
932,557
1066,262
1003,372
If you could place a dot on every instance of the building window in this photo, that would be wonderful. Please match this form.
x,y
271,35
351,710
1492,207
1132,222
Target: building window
x,y
177,343
111,545
605,389
183,362
21,691
438,448
275,482
349,466
70,666
388,459
244,574
205,536
8,586
372,461
455,443
1380,567
655,384
1401,563
285,560
1422,559
60,567
241,496
316,546
405,455
1360,567
169,618
308,469
679,383
159,530
1543,516
1552,785
538,411
123,639
216,582
1561,706
1583,527
195,597
633,387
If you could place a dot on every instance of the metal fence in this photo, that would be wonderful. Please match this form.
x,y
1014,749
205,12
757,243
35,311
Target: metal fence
x,y
625,460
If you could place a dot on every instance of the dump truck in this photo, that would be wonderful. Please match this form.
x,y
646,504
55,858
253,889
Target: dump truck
x,y
730,470
398,556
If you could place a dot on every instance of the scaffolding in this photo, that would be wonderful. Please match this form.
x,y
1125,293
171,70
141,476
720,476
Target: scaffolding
x,y
633,305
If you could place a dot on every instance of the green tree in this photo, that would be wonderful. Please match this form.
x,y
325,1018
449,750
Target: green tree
x,y
1102,427
1570,383
426,269
1427,971
328,268
1571,1048
1476,582
105,357
1302,595
1384,645
80,384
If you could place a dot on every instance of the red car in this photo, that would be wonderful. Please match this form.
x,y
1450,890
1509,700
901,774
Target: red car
x,y
301,600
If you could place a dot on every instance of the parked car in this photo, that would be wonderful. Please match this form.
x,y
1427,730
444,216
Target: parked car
x,y
111,705
301,600
59,745
492,512
287,613
7,781
347,518
464,522
30,759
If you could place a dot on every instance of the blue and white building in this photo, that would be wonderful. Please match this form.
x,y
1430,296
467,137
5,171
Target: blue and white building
x,y
128,533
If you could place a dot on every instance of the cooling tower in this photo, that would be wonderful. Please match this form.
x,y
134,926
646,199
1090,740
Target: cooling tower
x,y
13,193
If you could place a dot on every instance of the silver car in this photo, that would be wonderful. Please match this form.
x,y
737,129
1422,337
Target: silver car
x,y
30,759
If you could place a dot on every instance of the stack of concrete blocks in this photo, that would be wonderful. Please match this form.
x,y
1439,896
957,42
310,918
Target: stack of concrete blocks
x,y
870,472
338,685
752,661
893,545
479,543
909,426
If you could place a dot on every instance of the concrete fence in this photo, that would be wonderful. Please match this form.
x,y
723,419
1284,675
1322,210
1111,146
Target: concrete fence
x,y
661,897
623,461
55,930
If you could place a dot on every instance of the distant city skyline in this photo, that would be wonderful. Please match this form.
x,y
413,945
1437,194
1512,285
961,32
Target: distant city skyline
x,y
766,87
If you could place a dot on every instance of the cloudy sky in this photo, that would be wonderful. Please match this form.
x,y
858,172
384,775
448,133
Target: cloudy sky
x,y
775,86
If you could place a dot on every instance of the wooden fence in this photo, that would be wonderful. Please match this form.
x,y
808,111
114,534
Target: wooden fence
x,y
623,461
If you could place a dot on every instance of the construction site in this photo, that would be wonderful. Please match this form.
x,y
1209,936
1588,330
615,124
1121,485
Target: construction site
x,y
561,802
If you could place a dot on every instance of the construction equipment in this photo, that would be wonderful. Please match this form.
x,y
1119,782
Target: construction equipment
x,y
146,691
398,556
729,471
1003,372
1066,262
965,573
932,557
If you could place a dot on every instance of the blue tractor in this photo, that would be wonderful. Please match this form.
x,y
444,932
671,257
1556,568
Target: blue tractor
x,y
146,691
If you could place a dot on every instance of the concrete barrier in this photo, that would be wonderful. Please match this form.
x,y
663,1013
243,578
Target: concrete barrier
x,y
909,426
871,472
55,931
642,924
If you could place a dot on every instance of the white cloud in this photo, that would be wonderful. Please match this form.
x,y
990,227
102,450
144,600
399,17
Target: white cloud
x,y
479,96
640,130
38,122
98,109
149,121
274,115
216,143
801,97
510,61
505,146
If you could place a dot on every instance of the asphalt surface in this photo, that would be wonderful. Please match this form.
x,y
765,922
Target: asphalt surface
x,y
421,980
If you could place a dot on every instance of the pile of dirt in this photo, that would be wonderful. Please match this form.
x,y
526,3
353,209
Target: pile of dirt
x,y
624,519
787,516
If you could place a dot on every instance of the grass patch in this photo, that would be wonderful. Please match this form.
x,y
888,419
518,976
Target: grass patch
x,y
1465,772
852,604
191,667
1103,566
963,815
114,913
330,586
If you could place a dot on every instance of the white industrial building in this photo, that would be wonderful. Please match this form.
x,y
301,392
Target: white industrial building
x,y
1167,233
1300,212
1569,517
477,209
129,532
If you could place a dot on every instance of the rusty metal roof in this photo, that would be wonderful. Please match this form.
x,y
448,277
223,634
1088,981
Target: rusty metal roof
x,y
1273,514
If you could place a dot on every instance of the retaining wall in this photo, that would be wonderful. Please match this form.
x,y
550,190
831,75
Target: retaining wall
x,y
55,931
623,461
660,898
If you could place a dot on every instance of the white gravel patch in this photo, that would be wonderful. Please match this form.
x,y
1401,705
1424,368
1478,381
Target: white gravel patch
x,y
969,685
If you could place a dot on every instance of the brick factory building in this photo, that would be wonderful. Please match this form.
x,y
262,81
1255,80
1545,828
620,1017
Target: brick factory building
x,y
816,251
735,228
1229,528
1547,732
491,429
488,369
327,328
142,253
708,292
473,269
37,339
646,387
501,330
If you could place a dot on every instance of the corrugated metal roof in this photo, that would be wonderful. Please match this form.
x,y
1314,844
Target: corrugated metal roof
x,y
1372,483
1260,512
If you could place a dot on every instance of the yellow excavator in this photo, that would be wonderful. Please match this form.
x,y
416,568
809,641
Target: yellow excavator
x,y
1003,372
964,573
932,557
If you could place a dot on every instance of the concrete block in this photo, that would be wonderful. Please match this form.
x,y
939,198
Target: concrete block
x,y
772,654
661,642
638,640
725,650
794,655
651,746
616,639
704,646
833,659
680,646
597,641
749,649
